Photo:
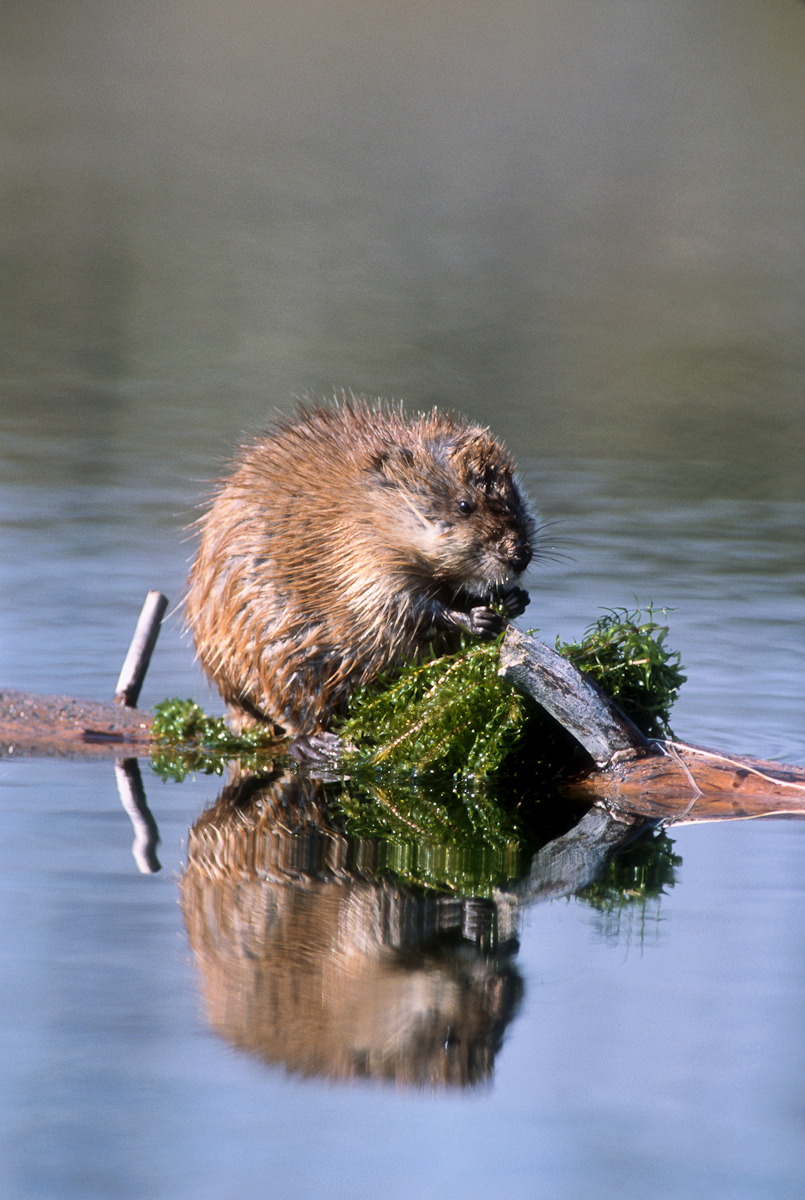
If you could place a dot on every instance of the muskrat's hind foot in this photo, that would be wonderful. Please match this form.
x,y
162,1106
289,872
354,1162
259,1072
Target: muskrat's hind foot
x,y
313,748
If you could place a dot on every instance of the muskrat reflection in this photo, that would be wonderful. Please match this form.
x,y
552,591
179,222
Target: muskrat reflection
x,y
308,961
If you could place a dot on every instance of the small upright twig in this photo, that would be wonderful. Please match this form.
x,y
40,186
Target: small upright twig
x,y
140,650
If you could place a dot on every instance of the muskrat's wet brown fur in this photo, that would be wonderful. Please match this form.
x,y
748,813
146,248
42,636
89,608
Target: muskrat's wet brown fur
x,y
348,540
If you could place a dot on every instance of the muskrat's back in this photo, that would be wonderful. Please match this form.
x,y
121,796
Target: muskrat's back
x,y
348,540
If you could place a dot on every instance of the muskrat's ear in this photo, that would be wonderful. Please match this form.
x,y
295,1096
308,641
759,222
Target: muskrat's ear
x,y
392,465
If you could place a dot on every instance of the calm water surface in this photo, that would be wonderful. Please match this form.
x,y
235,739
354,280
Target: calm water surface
x,y
581,226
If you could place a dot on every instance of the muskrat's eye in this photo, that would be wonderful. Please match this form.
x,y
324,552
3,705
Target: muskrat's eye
x,y
466,508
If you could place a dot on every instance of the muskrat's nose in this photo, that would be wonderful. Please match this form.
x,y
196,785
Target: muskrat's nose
x,y
520,556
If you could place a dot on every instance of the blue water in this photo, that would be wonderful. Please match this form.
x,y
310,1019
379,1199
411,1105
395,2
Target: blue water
x,y
664,1056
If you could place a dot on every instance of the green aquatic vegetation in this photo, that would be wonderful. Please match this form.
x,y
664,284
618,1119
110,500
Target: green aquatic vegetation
x,y
443,763
455,717
187,740
449,716
625,653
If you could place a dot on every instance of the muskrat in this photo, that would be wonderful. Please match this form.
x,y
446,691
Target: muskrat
x,y
349,539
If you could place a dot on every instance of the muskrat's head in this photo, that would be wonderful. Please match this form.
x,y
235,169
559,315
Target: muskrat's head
x,y
456,506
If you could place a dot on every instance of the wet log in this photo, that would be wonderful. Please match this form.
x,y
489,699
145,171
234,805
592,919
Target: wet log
x,y
662,781
69,728
572,698
686,783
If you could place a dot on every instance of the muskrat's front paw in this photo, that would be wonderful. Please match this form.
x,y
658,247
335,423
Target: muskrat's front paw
x,y
484,622
515,600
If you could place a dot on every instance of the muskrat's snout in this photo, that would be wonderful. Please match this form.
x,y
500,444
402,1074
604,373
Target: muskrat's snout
x,y
514,549
520,556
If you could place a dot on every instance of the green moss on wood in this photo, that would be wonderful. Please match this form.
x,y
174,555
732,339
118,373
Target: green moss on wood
x,y
187,740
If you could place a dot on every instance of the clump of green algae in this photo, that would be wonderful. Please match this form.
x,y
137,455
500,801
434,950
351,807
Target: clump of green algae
x,y
625,653
456,716
452,715
188,740
447,759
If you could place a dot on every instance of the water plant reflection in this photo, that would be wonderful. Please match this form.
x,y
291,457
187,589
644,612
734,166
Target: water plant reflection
x,y
626,898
